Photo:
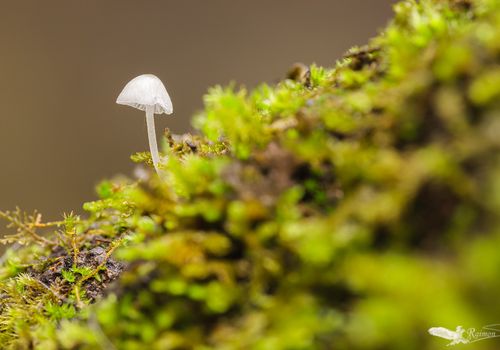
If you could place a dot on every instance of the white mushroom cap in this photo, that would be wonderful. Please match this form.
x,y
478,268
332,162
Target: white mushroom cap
x,y
146,90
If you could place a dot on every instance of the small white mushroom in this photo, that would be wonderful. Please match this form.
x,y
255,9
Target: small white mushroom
x,y
147,93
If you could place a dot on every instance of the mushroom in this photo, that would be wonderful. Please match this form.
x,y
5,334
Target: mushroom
x,y
147,93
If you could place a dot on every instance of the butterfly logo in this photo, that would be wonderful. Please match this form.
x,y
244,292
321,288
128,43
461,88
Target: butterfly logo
x,y
456,337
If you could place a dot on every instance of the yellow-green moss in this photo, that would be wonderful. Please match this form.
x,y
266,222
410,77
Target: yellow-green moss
x,y
350,207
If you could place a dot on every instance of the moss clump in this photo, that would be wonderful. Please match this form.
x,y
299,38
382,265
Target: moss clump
x,y
350,207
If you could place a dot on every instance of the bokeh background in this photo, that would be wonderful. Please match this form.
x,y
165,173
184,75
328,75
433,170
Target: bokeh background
x,y
63,63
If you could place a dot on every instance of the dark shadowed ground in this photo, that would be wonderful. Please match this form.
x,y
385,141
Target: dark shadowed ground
x,y
63,63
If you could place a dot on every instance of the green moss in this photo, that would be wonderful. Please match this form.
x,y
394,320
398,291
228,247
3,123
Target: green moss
x,y
351,207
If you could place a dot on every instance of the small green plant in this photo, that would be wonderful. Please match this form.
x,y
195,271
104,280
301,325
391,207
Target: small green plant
x,y
351,207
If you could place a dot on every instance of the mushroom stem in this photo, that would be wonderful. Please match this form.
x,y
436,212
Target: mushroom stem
x,y
153,146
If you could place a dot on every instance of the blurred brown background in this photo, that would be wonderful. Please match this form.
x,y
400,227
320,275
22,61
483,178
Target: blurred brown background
x,y
63,63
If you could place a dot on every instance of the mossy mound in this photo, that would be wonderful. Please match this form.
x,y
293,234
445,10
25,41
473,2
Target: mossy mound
x,y
351,207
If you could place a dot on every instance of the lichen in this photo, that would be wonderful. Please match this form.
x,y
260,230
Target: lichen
x,y
350,207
